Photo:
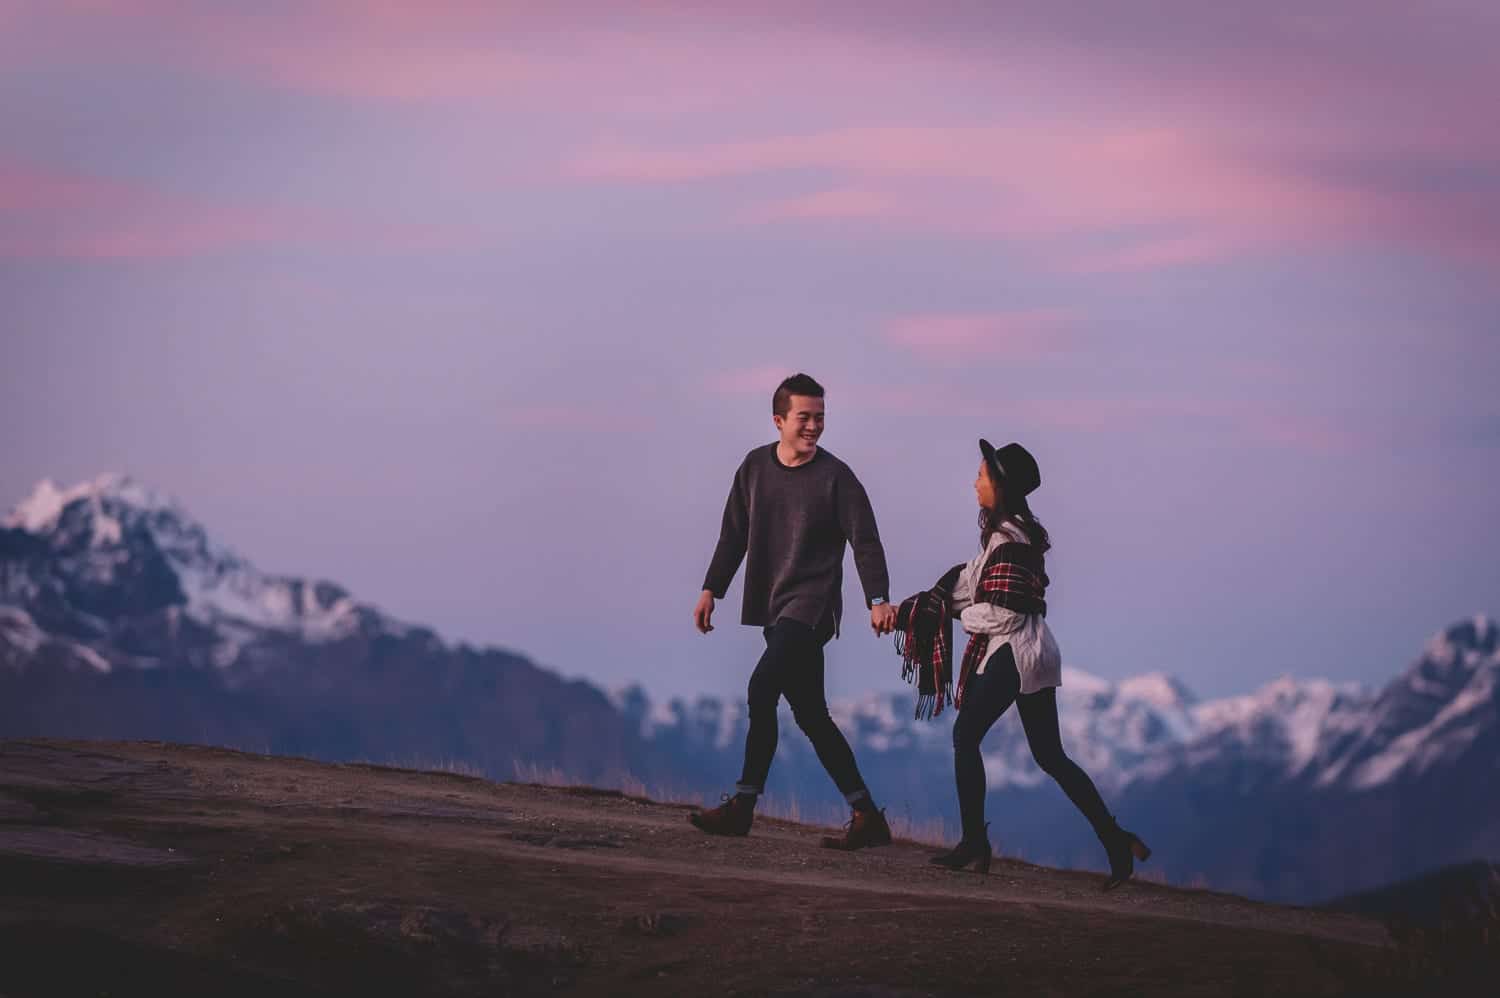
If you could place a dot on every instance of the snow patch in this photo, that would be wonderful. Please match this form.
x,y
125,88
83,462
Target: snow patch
x,y
40,511
20,630
241,594
219,585
1085,682
106,530
1157,689
1001,771
90,657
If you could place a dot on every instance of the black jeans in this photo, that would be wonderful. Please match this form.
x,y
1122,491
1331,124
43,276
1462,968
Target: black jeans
x,y
988,696
792,666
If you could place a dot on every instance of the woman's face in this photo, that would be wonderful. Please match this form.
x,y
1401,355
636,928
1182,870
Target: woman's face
x,y
985,488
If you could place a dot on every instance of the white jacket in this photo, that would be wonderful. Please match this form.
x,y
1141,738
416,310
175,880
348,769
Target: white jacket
x,y
1031,641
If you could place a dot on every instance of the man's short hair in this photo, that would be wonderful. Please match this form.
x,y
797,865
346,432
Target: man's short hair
x,y
797,384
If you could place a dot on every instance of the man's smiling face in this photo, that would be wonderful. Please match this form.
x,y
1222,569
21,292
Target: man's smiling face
x,y
802,426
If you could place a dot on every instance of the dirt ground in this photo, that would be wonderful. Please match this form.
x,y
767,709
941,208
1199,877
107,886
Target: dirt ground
x,y
147,868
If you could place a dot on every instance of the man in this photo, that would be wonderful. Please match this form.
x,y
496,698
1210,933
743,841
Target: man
x,y
792,508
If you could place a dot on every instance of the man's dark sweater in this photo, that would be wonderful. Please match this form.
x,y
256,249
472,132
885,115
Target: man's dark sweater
x,y
789,525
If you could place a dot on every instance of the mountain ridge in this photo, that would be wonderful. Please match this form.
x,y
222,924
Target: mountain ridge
x,y
121,617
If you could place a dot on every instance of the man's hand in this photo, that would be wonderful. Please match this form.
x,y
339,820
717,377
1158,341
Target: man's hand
x,y
703,613
883,618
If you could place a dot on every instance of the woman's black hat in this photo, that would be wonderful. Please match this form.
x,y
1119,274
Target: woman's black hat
x,y
1013,467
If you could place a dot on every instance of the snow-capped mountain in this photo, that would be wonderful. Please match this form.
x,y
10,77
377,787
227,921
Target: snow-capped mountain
x,y
1432,714
111,545
1135,729
1296,791
1279,733
121,617
1109,728
1146,727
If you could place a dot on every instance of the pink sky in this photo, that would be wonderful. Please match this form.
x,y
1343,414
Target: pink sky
x,y
460,265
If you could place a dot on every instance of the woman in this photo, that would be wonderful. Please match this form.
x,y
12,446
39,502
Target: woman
x,y
999,598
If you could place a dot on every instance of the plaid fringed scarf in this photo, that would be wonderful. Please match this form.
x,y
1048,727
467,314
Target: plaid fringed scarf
x,y
1013,576
924,637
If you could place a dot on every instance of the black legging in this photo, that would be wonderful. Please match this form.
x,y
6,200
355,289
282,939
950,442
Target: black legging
x,y
988,696
792,666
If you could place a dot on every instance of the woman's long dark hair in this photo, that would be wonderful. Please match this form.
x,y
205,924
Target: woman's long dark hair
x,y
1021,515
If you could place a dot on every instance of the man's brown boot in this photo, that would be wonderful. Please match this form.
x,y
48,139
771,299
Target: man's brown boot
x,y
864,830
733,817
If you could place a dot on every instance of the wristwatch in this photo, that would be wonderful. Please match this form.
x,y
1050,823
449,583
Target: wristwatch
x,y
878,601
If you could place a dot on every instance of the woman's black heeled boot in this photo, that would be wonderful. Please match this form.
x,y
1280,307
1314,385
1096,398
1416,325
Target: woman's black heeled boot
x,y
1124,848
970,849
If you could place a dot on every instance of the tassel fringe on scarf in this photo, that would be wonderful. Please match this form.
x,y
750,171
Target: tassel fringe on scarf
x,y
1013,577
924,639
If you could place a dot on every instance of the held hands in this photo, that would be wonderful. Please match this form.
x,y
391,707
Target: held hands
x,y
703,613
882,618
